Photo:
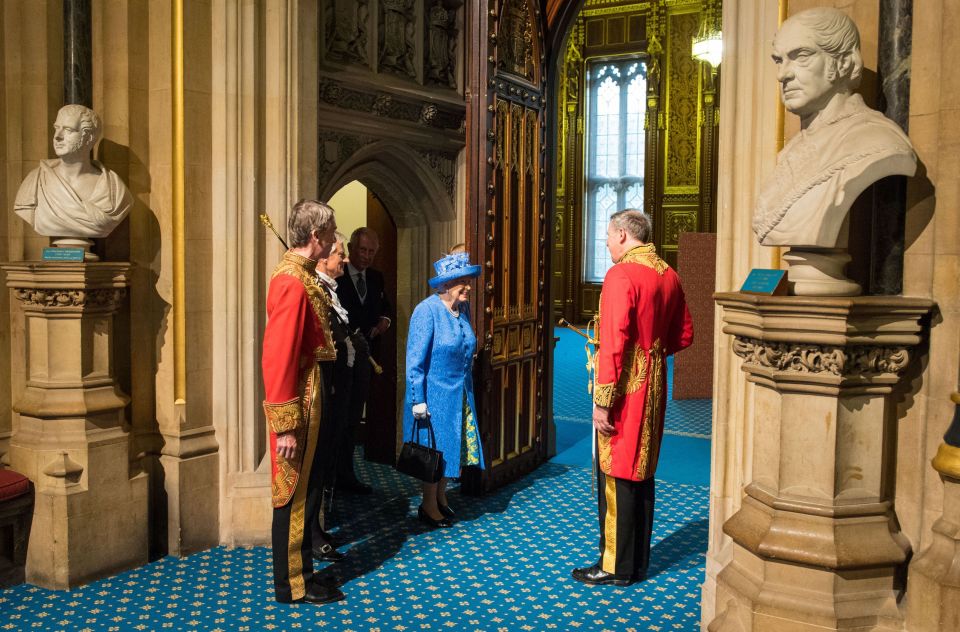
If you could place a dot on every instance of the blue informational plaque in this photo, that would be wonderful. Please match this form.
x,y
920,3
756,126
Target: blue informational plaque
x,y
63,254
767,282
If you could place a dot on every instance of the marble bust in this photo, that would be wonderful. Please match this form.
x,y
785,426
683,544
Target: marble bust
x,y
843,145
73,195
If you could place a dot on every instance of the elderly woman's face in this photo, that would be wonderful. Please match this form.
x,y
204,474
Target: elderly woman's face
x,y
334,264
457,289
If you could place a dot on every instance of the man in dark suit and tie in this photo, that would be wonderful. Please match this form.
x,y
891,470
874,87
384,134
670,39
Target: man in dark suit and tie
x,y
361,292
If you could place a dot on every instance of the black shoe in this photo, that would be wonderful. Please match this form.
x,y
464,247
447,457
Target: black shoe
x,y
318,593
324,537
354,486
446,511
442,523
596,576
326,553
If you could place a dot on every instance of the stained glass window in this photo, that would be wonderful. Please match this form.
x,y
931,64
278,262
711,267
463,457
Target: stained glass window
x,y
615,139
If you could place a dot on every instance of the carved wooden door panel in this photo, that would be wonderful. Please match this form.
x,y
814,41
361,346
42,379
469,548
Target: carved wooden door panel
x,y
507,213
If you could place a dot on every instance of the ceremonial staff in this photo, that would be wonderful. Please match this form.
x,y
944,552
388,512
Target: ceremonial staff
x,y
590,347
265,220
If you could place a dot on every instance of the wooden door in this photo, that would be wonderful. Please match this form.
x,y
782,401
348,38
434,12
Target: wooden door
x,y
380,425
506,218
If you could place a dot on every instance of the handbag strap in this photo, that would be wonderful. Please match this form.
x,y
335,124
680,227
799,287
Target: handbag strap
x,y
413,432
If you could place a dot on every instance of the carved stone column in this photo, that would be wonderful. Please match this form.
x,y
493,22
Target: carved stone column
x,y
934,598
90,516
817,545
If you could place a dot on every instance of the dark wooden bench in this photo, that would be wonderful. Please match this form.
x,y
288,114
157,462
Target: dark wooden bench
x,y
16,514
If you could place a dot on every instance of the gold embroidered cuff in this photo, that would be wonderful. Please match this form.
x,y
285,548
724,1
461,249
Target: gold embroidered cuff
x,y
604,395
283,417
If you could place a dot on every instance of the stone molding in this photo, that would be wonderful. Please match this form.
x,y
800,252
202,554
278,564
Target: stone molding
x,y
390,106
337,148
68,287
109,299
868,321
830,359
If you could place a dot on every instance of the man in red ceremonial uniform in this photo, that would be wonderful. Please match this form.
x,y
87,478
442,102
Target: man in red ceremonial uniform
x,y
643,318
296,338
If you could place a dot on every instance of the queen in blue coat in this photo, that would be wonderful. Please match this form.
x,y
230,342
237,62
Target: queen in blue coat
x,y
439,382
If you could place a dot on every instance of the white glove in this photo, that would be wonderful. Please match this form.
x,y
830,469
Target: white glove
x,y
420,410
351,352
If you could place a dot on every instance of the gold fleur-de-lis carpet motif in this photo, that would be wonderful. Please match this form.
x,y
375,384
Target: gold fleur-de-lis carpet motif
x,y
505,565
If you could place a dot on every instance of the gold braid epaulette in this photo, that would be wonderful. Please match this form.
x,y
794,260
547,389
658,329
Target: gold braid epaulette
x,y
303,269
645,255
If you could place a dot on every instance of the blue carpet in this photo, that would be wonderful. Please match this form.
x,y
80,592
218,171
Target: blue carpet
x,y
572,403
504,566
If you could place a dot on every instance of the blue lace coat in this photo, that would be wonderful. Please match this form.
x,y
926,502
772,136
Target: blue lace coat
x,y
440,349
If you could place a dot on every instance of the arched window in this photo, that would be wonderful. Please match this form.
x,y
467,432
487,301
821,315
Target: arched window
x,y
615,153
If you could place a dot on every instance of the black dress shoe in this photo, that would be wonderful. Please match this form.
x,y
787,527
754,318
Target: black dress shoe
x,y
442,523
318,593
446,511
326,553
596,576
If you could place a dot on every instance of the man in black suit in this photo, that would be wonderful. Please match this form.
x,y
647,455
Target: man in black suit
x,y
361,292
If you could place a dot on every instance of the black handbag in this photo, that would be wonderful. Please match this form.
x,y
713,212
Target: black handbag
x,y
420,461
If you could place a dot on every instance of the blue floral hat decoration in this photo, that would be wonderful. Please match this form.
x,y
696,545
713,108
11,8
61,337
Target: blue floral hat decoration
x,y
455,266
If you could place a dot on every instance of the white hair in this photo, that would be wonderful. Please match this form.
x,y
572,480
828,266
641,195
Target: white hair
x,y
836,34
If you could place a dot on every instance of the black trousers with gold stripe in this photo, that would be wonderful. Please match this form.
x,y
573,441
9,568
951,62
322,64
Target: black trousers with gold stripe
x,y
292,538
292,532
626,524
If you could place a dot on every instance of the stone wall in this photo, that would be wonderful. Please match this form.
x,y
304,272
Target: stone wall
x,y
748,146
931,260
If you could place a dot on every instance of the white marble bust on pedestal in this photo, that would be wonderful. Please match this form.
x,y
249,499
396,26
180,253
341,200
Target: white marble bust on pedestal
x,y
73,195
843,147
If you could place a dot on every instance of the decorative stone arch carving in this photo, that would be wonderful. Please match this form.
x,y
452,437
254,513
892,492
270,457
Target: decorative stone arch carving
x,y
405,182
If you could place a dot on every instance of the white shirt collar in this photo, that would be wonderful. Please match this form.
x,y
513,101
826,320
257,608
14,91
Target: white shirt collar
x,y
328,280
354,272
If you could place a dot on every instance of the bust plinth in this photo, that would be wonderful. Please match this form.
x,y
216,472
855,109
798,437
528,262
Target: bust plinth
x,y
816,543
90,517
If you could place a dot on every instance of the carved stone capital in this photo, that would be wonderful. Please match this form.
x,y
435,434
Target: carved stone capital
x,y
816,358
68,287
105,298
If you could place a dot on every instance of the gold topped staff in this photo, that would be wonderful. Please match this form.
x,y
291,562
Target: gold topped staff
x,y
592,341
591,347
266,221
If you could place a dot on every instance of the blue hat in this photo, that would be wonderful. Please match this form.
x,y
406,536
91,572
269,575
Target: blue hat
x,y
455,266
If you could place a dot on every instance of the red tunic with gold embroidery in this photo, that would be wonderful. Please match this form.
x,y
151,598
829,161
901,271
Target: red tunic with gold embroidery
x,y
297,335
643,318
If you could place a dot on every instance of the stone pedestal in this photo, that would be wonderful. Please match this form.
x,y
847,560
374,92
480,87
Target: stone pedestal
x,y
819,272
817,545
90,517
